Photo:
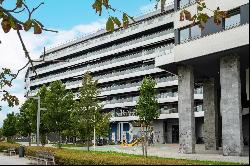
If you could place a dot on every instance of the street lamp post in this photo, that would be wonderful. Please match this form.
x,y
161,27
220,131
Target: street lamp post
x,y
39,109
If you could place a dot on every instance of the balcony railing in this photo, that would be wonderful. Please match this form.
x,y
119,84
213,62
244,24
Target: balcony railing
x,y
131,112
106,38
112,48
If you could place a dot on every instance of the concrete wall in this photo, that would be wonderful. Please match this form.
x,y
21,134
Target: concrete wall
x,y
244,11
211,4
212,43
159,131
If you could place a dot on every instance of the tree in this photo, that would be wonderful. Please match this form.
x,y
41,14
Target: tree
x,y
1,134
147,108
102,124
9,127
87,109
59,102
26,119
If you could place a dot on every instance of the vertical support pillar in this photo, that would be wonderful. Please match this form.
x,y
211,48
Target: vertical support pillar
x,y
186,109
211,115
231,108
159,131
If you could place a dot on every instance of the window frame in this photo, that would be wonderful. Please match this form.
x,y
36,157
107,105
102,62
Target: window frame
x,y
190,2
232,13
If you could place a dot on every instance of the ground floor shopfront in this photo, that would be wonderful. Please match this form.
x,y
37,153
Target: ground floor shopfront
x,y
166,131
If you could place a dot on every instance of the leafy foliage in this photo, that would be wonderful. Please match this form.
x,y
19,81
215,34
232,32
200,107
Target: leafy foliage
x,y
147,106
10,21
9,126
201,16
87,110
26,119
74,157
6,78
58,102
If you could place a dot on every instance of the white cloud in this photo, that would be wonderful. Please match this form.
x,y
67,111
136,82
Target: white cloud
x,y
12,55
147,8
2,117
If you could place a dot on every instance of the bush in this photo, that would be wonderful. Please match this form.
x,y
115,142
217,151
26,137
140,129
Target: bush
x,y
6,145
74,157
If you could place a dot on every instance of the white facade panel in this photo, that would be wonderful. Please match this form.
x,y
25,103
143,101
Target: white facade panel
x,y
211,4
218,42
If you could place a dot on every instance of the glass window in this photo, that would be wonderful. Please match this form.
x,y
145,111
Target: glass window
x,y
195,31
232,21
184,35
183,3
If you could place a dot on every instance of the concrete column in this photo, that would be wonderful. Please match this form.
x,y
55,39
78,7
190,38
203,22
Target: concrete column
x,y
211,115
231,108
159,130
186,110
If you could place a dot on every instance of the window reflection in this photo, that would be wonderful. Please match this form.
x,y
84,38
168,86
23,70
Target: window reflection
x,y
184,35
195,31
232,21
183,3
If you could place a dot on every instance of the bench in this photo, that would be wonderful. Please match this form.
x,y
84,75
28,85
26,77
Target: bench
x,y
10,151
46,157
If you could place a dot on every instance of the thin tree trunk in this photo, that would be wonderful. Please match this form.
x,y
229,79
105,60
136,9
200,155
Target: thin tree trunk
x,y
74,141
59,140
146,142
88,136
143,151
29,137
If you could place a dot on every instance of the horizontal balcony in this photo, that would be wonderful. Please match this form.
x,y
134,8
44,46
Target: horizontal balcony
x,y
218,42
108,51
145,55
136,88
162,116
132,102
82,71
133,29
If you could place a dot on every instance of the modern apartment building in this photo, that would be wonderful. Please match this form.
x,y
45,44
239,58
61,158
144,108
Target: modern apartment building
x,y
182,60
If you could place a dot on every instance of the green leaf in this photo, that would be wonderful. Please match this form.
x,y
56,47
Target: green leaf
x,y
110,25
6,25
27,25
116,21
19,3
37,28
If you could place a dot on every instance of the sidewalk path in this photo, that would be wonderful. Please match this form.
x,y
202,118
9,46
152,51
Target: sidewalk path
x,y
13,160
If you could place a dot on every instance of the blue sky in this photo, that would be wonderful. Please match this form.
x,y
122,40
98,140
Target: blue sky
x,y
72,18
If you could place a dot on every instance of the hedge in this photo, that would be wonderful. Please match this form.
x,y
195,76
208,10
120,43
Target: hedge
x,y
75,157
5,146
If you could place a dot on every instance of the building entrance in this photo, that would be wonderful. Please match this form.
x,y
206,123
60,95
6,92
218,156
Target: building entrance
x,y
175,134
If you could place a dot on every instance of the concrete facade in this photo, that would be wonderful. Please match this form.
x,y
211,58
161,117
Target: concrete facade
x,y
231,109
159,131
186,109
211,115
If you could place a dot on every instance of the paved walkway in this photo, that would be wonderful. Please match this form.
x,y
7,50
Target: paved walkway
x,y
13,160
171,151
